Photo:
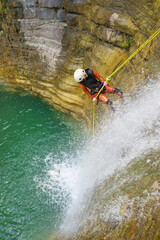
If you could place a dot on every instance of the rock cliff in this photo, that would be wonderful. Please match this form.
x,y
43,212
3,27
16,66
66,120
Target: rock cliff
x,y
42,42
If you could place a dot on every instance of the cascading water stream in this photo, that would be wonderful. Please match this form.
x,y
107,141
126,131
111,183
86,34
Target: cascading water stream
x,y
132,132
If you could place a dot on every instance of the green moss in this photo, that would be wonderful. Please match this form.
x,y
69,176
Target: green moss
x,y
130,40
124,45
1,33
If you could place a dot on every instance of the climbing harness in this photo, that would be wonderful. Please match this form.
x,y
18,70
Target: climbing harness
x,y
117,69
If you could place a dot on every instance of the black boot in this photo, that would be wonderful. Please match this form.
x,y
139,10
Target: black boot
x,y
111,105
119,93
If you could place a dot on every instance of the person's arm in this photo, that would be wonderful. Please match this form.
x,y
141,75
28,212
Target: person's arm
x,y
86,91
98,76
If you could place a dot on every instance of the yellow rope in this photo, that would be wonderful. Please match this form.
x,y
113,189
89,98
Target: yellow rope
x,y
117,69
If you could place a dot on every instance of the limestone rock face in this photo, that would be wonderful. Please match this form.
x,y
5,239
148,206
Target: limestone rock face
x,y
42,42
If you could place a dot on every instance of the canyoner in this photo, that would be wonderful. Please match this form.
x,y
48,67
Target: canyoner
x,y
88,78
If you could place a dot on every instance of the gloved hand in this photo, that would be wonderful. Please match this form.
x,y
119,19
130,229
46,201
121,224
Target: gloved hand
x,y
105,83
94,99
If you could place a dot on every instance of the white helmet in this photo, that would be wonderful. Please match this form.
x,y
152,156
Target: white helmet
x,y
80,75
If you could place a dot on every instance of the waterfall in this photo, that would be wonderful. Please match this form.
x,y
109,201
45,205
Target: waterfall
x,y
126,135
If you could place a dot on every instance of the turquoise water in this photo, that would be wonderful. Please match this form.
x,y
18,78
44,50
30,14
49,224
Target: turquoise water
x,y
34,138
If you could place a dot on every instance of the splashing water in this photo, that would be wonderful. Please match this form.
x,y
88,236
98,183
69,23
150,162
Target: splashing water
x,y
66,169
129,134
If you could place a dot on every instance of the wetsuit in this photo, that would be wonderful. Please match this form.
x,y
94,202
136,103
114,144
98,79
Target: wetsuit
x,y
94,85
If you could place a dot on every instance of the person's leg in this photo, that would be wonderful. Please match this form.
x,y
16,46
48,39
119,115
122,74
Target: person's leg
x,y
104,99
114,90
119,93
109,89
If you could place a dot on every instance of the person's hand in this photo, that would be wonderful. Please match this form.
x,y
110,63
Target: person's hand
x,y
105,83
94,99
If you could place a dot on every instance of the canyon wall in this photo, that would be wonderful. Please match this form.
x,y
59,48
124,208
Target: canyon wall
x,y
42,42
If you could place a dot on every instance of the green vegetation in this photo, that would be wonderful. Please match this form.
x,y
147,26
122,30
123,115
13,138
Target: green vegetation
x,y
3,6
130,40
1,33
124,45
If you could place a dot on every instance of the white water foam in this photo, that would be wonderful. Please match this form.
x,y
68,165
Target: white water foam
x,y
125,136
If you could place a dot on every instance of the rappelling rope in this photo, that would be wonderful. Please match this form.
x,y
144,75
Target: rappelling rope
x,y
127,60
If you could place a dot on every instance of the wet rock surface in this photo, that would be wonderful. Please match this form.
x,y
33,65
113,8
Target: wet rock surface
x,y
42,42
130,200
